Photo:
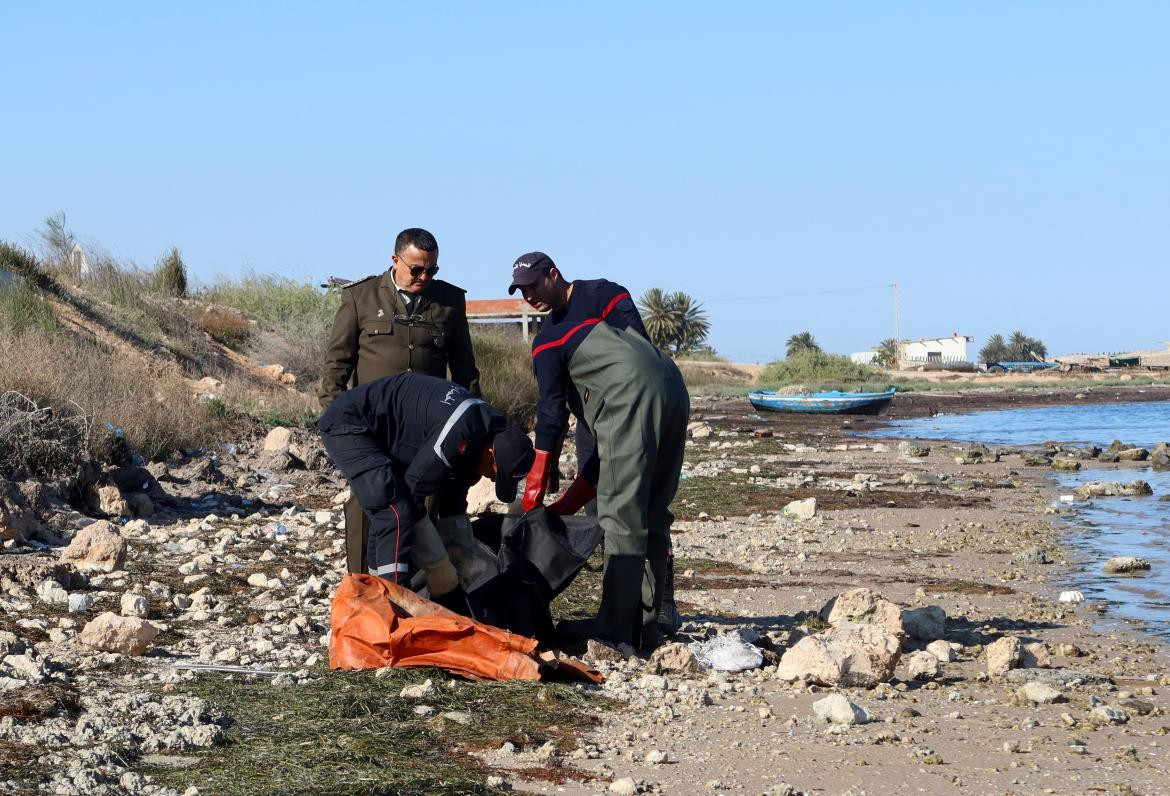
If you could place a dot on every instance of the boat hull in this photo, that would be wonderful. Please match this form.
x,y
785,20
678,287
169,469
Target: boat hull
x,y
823,403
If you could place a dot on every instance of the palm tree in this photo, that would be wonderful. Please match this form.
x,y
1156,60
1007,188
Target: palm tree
x,y
658,317
1018,346
801,343
887,353
693,325
995,350
674,321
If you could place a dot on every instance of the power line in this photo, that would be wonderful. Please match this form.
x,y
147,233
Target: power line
x,y
795,295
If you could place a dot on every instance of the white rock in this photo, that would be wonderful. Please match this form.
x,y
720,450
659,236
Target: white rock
x,y
1107,714
111,502
1003,655
837,709
80,602
258,579
51,592
1038,693
481,498
850,655
1072,597
922,666
418,691
135,605
122,634
863,607
624,787
97,546
925,624
941,650
802,509
1121,565
277,440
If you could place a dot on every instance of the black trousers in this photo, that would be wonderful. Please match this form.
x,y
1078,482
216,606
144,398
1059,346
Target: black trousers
x,y
376,481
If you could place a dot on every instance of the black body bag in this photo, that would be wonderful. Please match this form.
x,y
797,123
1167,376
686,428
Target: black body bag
x,y
523,563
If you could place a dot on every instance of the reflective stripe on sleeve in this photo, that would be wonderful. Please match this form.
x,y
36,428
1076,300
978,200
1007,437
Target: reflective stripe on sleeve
x,y
451,421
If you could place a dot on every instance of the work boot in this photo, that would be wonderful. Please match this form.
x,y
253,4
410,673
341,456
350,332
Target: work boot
x,y
619,618
668,619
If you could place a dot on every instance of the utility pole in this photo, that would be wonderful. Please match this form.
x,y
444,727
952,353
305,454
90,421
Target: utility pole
x,y
897,316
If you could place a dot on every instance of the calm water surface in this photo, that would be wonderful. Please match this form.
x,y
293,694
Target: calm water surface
x,y
1143,424
1100,528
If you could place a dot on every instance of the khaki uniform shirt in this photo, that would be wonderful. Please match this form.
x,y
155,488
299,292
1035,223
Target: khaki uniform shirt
x,y
373,336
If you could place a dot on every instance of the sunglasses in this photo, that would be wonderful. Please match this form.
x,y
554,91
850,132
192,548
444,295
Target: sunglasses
x,y
418,270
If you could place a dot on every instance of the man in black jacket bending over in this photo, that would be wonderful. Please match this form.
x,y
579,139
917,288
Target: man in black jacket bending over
x,y
404,438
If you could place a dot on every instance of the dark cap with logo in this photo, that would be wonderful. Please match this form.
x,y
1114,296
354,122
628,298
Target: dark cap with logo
x,y
514,457
528,268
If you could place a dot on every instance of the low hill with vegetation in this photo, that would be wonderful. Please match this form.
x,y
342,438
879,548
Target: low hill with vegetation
x,y
168,365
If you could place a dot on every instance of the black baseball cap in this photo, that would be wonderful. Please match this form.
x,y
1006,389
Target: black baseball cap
x,y
514,457
528,268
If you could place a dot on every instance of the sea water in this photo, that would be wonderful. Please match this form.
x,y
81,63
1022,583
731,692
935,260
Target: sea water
x,y
1144,424
1099,528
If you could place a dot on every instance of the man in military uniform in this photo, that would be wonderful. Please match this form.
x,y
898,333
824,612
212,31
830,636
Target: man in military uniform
x,y
404,321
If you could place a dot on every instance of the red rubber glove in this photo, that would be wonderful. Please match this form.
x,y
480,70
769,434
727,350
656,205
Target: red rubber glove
x,y
537,483
576,496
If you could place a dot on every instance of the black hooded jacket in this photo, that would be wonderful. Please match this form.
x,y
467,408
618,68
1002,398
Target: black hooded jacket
x,y
434,430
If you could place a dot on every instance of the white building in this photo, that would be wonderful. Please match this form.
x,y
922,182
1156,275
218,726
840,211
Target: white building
x,y
932,350
863,357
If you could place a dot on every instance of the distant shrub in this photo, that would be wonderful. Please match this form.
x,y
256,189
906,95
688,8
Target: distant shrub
x,y
506,379
715,374
298,345
817,367
23,307
275,300
170,274
154,407
225,325
57,242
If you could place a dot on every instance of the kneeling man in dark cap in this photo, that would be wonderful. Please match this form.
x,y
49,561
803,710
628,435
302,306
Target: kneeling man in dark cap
x,y
404,438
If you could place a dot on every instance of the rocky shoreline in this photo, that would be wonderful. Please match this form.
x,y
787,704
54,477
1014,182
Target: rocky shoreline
x,y
1014,692
897,616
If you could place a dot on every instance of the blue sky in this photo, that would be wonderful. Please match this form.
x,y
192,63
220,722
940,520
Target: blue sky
x,y
1006,163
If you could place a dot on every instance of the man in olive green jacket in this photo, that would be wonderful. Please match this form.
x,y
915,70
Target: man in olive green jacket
x,y
404,321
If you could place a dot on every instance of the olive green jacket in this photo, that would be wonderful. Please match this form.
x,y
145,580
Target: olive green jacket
x,y
373,337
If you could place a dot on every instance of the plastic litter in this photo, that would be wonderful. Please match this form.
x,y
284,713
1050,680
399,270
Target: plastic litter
x,y
1071,597
727,653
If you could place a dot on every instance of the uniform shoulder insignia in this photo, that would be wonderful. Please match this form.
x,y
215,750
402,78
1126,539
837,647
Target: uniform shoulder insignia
x,y
358,281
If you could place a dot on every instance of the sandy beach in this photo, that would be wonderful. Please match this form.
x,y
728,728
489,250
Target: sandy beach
x,y
969,540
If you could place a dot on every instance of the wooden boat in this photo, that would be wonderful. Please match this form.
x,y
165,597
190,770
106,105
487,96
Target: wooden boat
x,y
841,403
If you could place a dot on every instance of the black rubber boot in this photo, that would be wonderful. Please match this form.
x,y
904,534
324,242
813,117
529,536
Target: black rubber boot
x,y
454,600
668,618
619,619
653,592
